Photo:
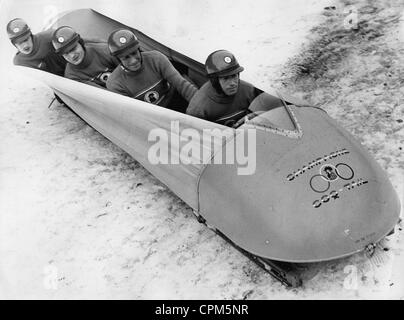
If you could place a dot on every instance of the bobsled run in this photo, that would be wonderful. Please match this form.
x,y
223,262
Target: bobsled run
x,y
315,195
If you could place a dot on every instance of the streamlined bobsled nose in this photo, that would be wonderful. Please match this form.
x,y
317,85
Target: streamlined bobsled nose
x,y
317,197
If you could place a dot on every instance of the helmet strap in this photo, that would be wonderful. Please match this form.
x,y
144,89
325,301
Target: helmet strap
x,y
216,85
81,42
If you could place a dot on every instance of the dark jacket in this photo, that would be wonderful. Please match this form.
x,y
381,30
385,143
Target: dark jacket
x,y
208,104
96,64
153,82
43,55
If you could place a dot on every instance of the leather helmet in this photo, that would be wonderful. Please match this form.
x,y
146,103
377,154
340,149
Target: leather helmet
x,y
222,63
17,29
64,39
122,40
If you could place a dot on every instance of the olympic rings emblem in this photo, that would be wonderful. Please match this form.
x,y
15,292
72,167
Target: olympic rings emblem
x,y
328,173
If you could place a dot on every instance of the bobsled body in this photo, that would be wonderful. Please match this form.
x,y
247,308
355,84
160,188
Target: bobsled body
x,y
315,193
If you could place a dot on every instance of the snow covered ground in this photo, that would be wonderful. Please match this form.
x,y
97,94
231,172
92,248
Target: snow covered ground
x,y
79,218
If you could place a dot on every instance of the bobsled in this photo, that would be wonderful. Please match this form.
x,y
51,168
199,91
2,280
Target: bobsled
x,y
313,193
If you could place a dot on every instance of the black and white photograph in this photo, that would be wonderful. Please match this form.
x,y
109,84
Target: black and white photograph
x,y
202,150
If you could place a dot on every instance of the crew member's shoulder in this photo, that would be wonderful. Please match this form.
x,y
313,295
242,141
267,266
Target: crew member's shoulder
x,y
43,39
202,92
17,59
69,70
45,35
154,55
246,84
207,86
116,81
24,60
116,74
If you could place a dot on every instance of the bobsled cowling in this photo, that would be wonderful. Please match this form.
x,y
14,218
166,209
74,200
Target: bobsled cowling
x,y
289,209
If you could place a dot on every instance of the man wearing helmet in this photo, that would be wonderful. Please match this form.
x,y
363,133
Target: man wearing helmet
x,y
34,50
147,76
224,95
88,61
